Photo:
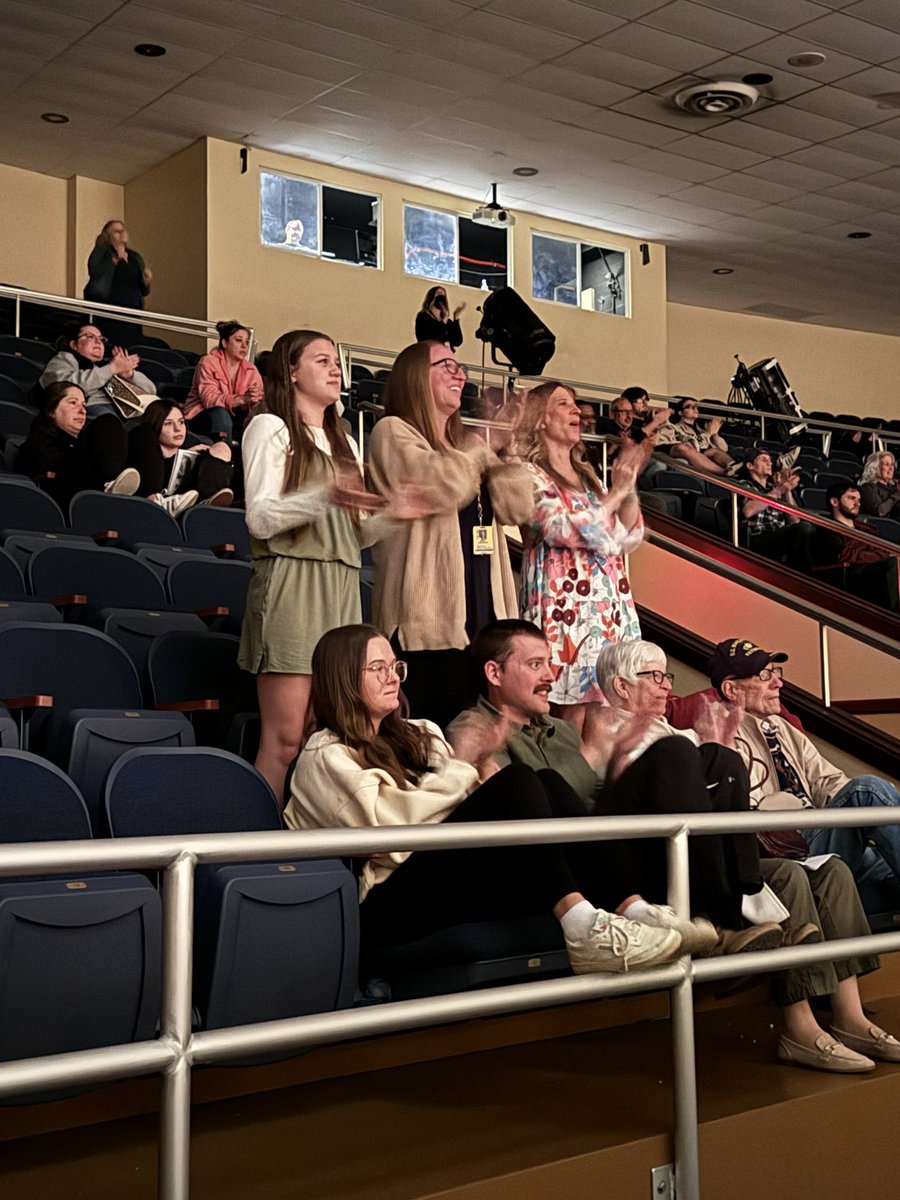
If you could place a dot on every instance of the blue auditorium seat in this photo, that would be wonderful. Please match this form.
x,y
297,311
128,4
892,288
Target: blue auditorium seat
x,y
110,578
272,940
81,955
132,517
208,527
24,506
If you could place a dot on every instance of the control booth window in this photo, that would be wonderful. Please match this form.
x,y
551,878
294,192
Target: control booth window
x,y
582,274
453,249
317,219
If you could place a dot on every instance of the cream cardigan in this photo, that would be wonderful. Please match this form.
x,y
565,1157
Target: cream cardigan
x,y
419,572
330,789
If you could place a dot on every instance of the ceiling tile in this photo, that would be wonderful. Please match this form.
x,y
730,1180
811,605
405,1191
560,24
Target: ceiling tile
x,y
707,197
840,105
834,162
875,82
602,63
825,206
790,174
294,59
631,129
538,44
562,16
879,12
863,196
765,141
661,109
778,14
784,86
574,85
793,218
776,51
630,9
436,16
706,26
675,166
870,144
718,153
851,36
744,184
652,45
798,123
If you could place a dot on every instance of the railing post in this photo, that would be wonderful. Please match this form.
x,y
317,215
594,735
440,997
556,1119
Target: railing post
x,y
684,1081
824,664
735,520
174,1169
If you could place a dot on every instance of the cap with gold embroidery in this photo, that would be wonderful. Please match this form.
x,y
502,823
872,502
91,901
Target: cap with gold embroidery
x,y
737,658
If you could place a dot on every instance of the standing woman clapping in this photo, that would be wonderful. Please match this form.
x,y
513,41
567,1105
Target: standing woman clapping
x,y
117,274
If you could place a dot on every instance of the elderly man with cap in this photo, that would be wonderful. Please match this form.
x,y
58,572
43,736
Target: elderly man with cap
x,y
787,771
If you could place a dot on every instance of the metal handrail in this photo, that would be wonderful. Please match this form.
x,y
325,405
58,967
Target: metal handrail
x,y
142,316
177,1048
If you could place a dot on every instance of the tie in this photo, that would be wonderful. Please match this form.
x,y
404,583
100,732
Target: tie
x,y
788,779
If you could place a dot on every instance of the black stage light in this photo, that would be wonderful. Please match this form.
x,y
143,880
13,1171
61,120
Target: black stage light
x,y
510,326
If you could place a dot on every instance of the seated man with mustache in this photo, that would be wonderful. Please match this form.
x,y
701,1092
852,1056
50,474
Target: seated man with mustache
x,y
516,677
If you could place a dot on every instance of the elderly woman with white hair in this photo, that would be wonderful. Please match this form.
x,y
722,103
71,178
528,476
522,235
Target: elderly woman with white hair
x,y
879,489
635,680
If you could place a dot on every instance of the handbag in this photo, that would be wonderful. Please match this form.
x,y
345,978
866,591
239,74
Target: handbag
x,y
783,843
128,401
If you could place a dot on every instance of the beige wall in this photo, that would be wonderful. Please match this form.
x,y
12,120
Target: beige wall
x,y
165,209
91,203
33,230
275,290
837,370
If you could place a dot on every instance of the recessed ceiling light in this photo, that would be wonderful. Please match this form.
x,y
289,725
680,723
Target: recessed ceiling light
x,y
756,78
809,58
55,118
149,50
723,270
525,172
859,233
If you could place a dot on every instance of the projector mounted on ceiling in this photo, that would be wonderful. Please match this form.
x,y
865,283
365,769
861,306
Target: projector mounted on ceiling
x,y
493,214
717,99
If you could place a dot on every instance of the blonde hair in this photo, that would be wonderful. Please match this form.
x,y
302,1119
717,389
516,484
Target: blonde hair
x,y
531,445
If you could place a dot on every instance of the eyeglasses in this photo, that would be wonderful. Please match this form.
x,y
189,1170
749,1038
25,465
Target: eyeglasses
x,y
451,366
91,337
768,673
384,671
657,676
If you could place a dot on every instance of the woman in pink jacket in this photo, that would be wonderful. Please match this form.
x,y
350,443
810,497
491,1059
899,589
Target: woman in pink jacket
x,y
226,387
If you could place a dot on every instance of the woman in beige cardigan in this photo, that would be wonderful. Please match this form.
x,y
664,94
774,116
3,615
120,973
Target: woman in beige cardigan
x,y
440,578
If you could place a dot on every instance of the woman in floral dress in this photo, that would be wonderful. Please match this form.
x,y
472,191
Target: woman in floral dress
x,y
574,584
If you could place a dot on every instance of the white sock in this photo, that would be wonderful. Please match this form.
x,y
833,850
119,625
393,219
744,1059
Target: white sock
x,y
636,910
578,921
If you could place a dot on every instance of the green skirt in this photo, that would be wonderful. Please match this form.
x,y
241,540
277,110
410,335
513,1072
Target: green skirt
x,y
291,602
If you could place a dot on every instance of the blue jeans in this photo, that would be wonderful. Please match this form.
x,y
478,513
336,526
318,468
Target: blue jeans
x,y
866,791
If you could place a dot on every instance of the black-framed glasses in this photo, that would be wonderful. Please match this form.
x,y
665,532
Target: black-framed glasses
x,y
451,366
657,676
383,671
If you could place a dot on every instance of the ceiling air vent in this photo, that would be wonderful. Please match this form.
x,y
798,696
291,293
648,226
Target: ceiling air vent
x,y
717,99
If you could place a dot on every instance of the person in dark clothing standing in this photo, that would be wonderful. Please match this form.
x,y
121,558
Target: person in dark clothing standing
x,y
433,320
117,275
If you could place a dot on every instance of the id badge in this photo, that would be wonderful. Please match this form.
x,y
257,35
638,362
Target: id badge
x,y
483,539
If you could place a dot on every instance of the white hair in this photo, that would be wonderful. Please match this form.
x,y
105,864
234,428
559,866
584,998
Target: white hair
x,y
873,462
625,658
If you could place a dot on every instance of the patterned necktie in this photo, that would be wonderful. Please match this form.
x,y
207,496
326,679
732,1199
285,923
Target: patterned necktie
x,y
788,779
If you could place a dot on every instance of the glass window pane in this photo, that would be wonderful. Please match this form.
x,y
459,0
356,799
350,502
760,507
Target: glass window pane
x,y
288,212
429,244
483,255
604,284
350,226
554,269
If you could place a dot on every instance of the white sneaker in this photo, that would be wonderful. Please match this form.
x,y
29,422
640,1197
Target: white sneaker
x,y
179,503
126,483
617,944
698,936
223,498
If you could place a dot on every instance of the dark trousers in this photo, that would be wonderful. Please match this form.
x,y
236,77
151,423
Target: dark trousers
x,y
435,889
207,474
439,683
674,776
99,454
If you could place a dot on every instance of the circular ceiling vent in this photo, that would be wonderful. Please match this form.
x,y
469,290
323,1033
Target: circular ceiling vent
x,y
717,99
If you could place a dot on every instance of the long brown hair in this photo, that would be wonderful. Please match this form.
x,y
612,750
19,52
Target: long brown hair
x,y
103,238
280,402
531,444
399,748
408,395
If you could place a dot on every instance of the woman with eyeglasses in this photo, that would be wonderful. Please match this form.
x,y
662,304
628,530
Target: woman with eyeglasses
x,y
433,320
83,361
574,585
440,578
368,766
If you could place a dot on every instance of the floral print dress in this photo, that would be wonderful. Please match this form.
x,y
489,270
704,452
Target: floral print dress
x,y
574,584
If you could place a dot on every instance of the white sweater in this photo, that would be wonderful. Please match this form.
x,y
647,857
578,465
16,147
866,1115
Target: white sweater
x,y
330,789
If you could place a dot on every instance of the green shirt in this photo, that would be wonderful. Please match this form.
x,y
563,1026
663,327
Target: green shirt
x,y
547,742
